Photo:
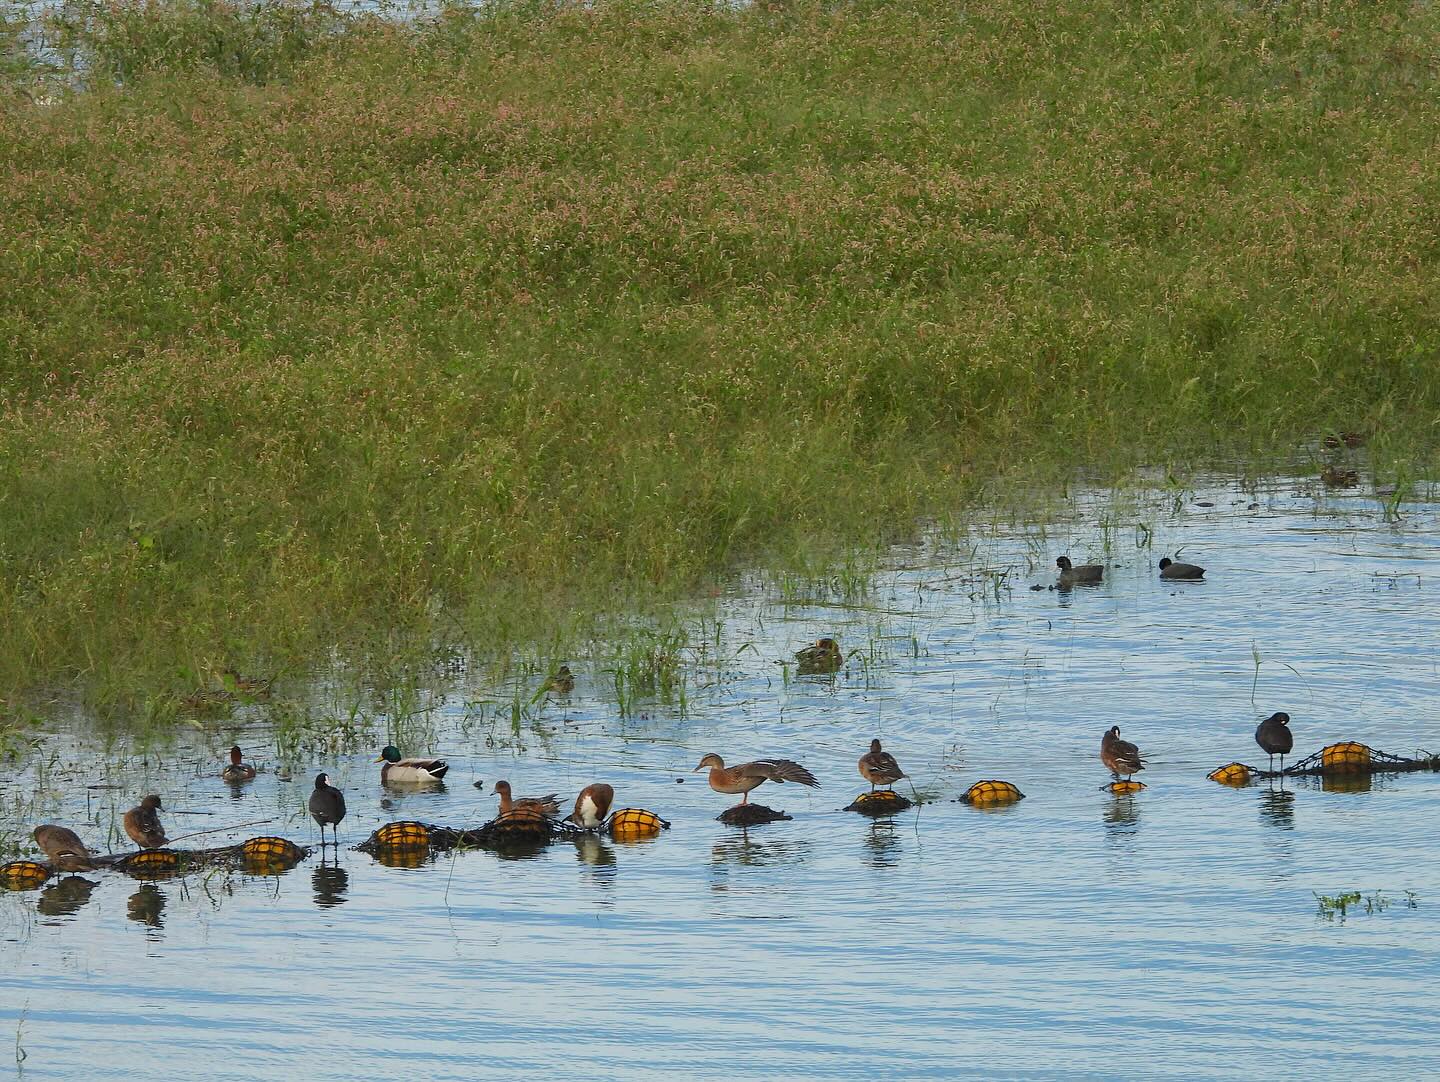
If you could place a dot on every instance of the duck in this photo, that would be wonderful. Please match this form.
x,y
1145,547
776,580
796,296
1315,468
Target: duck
x,y
1274,737
63,848
1119,756
879,767
399,771
237,771
824,657
562,682
327,807
741,779
592,806
250,686
142,823
1070,575
1169,569
546,805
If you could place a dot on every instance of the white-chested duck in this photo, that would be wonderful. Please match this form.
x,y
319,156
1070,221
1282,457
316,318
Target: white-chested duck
x,y
63,848
1119,756
237,770
142,823
592,806
741,779
1084,575
398,771
879,767
548,804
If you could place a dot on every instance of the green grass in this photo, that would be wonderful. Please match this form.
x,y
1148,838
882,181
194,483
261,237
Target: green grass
x,y
328,332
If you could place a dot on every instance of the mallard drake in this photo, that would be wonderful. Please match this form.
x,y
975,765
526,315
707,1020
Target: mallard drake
x,y
1119,756
236,770
1070,575
879,767
63,848
142,823
591,806
548,804
741,779
824,657
1169,569
1274,737
401,771
327,807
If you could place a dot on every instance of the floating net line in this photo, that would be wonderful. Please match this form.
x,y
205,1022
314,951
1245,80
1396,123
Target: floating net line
x,y
1348,758
522,828
256,856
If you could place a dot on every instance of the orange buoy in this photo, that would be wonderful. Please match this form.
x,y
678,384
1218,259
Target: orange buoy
x,y
628,824
23,875
403,835
991,794
1124,788
1233,774
1348,757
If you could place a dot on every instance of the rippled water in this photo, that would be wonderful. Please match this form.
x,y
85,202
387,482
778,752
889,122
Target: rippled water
x,y
1173,934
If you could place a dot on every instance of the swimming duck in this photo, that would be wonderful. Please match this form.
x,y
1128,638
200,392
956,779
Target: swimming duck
x,y
824,657
1119,756
562,682
237,771
1169,569
591,806
400,771
1274,737
746,776
142,823
63,848
879,767
1070,575
251,686
546,805
327,807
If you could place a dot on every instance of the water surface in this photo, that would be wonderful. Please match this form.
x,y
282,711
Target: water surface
x,y
1173,934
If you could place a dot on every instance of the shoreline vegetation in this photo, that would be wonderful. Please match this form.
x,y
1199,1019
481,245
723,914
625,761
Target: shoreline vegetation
x,y
329,332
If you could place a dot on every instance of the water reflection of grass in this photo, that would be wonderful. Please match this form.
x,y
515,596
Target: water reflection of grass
x,y
492,322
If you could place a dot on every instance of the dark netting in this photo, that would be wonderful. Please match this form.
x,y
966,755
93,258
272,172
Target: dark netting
x,y
522,828
257,856
751,815
1348,758
880,802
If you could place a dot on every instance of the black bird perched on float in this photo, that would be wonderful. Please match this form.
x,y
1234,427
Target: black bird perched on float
x,y
1085,574
1274,737
327,807
1169,569
1119,756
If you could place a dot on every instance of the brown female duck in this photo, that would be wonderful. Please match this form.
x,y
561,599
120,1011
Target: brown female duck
x,y
142,823
63,848
1119,756
1070,575
547,804
879,767
741,779
1274,737
824,657
237,770
592,806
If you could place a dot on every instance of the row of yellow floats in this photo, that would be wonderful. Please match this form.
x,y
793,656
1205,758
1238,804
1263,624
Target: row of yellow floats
x,y
255,856
1349,759
991,793
408,843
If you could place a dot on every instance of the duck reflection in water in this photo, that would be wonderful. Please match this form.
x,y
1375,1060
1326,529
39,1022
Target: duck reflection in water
x,y
1122,815
330,882
64,898
882,845
147,906
597,858
1277,808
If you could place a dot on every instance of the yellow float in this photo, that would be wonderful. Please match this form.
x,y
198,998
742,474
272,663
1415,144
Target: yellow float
x,y
991,794
632,824
1347,757
1124,788
1233,774
23,875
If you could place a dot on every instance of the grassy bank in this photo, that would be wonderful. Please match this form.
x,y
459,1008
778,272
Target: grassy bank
x,y
314,327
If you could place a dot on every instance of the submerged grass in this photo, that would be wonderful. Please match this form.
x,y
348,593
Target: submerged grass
x,y
330,330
